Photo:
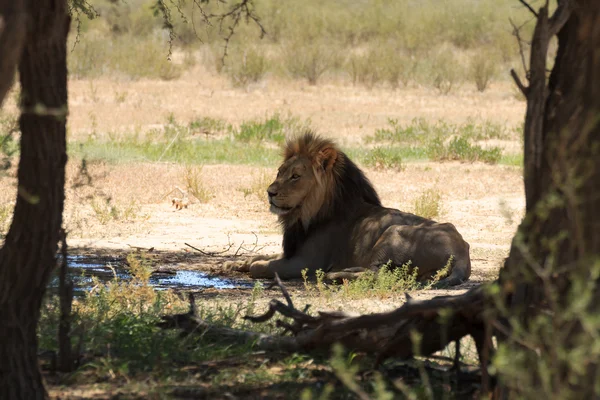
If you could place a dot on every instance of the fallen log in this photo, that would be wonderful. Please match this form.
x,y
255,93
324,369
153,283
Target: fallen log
x,y
438,322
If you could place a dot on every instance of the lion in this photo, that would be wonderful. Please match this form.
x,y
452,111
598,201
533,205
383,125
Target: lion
x,y
333,220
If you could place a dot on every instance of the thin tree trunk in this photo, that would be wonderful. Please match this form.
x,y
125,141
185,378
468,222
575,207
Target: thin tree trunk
x,y
29,253
12,35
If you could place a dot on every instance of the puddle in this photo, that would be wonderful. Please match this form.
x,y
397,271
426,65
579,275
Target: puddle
x,y
81,271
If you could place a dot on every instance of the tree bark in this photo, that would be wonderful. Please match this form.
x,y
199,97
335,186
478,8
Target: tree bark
x,y
12,35
558,242
29,252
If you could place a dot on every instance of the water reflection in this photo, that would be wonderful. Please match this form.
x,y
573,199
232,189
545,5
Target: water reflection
x,y
82,270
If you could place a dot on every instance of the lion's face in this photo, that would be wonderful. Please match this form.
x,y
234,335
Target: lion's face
x,y
295,181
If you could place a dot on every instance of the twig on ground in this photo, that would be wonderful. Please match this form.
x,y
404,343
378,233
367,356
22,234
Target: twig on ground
x,y
213,253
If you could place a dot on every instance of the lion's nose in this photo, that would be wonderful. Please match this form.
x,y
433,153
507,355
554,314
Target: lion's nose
x,y
271,192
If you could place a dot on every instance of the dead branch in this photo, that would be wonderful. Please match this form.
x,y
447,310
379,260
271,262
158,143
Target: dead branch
x,y
237,12
384,334
524,89
528,7
252,250
212,253
520,41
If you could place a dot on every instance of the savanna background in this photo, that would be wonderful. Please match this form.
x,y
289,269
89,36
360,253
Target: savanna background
x,y
417,92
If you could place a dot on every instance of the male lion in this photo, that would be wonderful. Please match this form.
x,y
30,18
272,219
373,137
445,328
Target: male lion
x,y
333,220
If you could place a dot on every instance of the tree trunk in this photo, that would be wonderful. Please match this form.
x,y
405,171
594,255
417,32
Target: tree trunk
x,y
29,253
556,251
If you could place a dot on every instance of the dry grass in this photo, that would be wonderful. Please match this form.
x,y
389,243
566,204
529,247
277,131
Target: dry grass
x,y
349,114
344,112
259,186
194,183
429,204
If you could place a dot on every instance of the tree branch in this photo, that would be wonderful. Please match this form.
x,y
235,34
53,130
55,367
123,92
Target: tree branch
x,y
528,7
385,334
524,89
560,16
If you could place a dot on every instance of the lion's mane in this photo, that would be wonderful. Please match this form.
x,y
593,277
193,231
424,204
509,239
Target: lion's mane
x,y
346,190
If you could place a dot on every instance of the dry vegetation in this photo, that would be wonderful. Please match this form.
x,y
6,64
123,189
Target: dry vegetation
x,y
416,92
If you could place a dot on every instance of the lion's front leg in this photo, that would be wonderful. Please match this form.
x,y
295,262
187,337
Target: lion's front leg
x,y
285,268
244,266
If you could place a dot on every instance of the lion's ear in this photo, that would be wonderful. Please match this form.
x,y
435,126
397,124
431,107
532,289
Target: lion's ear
x,y
326,158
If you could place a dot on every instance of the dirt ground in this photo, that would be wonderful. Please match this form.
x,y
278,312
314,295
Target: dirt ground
x,y
484,202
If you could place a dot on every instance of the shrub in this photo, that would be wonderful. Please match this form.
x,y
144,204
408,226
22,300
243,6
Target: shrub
x,y
482,69
429,204
207,126
384,158
273,129
445,72
309,60
194,185
362,70
246,66
96,55
387,281
459,148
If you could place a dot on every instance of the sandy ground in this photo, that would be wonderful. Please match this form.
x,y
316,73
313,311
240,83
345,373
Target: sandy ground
x,y
484,202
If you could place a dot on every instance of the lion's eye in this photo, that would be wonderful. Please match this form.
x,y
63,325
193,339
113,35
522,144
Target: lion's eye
x,y
295,176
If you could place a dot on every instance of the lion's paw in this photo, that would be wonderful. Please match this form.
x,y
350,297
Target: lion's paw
x,y
238,266
260,269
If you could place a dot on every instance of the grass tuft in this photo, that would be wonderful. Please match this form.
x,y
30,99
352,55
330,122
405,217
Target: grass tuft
x,y
194,185
384,158
429,204
461,149
272,129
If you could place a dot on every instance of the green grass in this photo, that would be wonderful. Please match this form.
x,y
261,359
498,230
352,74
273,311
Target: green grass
x,y
196,151
274,128
383,158
114,329
421,131
442,141
460,149
512,159
257,142
254,142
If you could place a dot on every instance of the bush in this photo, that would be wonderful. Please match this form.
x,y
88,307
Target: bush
x,y
446,71
382,62
309,60
194,185
363,69
483,68
274,129
130,57
459,148
245,66
429,204
384,158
